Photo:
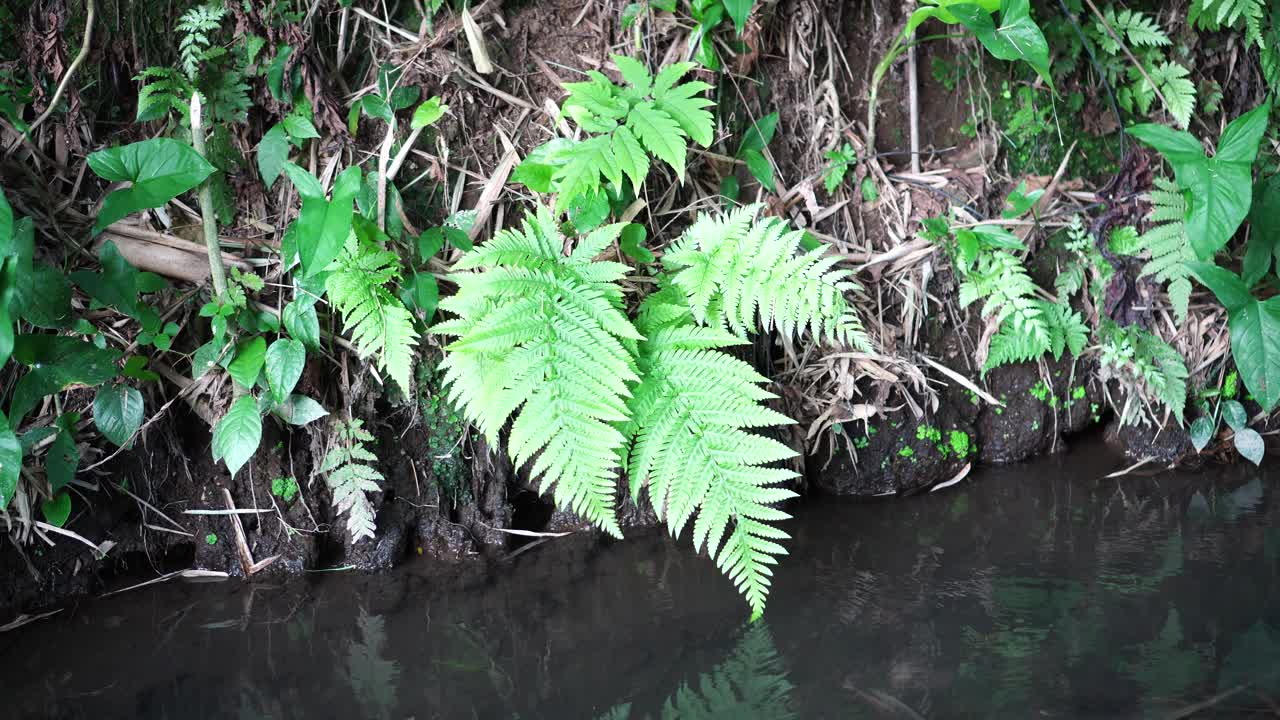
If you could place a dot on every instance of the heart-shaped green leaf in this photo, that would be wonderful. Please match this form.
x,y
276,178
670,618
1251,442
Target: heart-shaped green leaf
x,y
250,354
117,413
160,170
237,434
323,225
10,461
285,360
1219,189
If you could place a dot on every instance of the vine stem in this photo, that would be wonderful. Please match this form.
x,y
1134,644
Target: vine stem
x,y
207,219
75,65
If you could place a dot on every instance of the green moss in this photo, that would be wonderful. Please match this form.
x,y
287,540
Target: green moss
x,y
285,488
928,432
211,539
1077,392
959,440
1040,391
906,452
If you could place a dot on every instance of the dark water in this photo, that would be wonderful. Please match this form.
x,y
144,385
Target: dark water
x,y
1039,590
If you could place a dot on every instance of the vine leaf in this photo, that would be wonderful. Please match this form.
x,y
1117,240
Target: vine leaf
x,y
160,170
1219,189
237,434
117,413
1255,332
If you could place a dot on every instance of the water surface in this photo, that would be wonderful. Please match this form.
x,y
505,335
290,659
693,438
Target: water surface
x,y
1039,590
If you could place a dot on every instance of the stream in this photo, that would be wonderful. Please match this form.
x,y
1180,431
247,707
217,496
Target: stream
x,y
1035,590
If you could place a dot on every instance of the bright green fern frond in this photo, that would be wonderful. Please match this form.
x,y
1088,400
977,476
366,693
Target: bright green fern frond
x,y
1010,298
738,271
378,322
1067,329
196,26
163,90
1140,29
1178,90
349,473
1217,14
540,336
651,117
690,447
1167,242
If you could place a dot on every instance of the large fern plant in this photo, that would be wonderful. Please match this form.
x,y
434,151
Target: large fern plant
x,y
380,325
544,342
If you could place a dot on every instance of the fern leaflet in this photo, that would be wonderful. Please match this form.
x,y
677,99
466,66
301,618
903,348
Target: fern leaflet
x,y
1166,240
196,26
378,322
1216,14
1010,295
737,269
651,116
349,473
689,421
540,335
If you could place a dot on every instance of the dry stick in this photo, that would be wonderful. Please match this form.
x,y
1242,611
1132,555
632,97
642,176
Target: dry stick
x,y
75,65
913,104
384,159
207,218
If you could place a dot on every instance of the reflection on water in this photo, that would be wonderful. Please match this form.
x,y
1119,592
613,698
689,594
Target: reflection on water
x,y
1036,590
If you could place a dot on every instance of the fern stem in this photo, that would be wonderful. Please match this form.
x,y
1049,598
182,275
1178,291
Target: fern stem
x,y
207,219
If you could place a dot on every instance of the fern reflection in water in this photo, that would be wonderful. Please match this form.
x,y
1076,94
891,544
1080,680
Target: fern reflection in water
x,y
751,683
543,337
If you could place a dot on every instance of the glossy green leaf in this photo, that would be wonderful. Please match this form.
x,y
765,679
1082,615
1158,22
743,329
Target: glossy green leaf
x,y
1264,230
299,127
421,292
302,324
250,355
428,113
64,457
58,510
1234,415
1017,37
276,77
44,300
10,461
323,225
1201,433
1250,445
1255,347
739,10
56,362
760,134
299,410
160,170
1219,189
273,153
1229,288
237,434
631,243
760,169
6,227
285,361
118,413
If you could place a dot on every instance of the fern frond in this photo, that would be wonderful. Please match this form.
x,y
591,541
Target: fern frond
x,y
540,336
650,117
1167,242
1138,27
1010,298
1217,14
1067,329
738,270
1155,368
377,321
690,447
163,90
1178,91
196,26
349,477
